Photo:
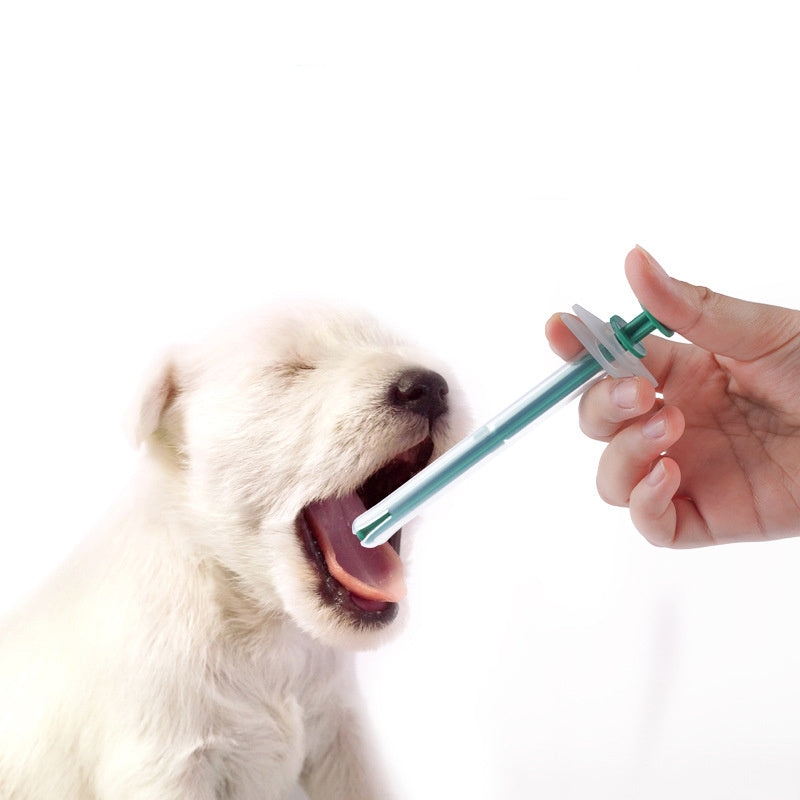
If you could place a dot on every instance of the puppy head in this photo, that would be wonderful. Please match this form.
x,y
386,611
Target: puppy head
x,y
280,434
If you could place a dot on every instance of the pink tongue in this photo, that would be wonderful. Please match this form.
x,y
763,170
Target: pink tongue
x,y
372,573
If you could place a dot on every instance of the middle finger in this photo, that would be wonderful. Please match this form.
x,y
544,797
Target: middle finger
x,y
611,404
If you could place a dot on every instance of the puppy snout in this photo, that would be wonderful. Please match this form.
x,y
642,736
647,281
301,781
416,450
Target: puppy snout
x,y
420,391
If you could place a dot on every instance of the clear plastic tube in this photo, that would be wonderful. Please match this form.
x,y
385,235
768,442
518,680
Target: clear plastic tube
x,y
376,525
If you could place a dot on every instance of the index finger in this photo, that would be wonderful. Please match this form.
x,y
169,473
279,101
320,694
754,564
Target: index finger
x,y
561,339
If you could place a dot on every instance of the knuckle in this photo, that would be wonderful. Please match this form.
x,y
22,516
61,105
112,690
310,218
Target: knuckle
x,y
596,426
609,492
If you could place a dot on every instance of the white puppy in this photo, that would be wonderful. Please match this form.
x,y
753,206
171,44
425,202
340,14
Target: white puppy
x,y
192,648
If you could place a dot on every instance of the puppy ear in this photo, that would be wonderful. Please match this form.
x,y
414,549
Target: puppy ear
x,y
158,393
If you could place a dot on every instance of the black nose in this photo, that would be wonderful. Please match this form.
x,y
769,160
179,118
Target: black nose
x,y
421,391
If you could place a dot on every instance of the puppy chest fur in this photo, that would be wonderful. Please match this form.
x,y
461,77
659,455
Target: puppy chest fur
x,y
198,644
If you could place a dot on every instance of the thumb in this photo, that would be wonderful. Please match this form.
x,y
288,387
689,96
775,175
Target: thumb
x,y
723,325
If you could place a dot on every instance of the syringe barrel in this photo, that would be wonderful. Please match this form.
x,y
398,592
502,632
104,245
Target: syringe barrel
x,y
379,522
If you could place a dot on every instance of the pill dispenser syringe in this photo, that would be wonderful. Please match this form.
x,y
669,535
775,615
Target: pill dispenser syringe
x,y
611,348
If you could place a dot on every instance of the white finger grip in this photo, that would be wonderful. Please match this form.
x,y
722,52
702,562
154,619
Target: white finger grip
x,y
598,338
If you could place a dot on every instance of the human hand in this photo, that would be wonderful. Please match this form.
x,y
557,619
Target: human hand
x,y
718,459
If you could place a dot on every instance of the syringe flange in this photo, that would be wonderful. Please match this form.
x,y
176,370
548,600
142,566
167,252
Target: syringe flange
x,y
602,340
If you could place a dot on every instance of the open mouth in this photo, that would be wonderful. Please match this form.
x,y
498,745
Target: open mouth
x,y
365,583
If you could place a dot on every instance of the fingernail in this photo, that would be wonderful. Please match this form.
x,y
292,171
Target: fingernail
x,y
651,261
656,475
626,393
655,427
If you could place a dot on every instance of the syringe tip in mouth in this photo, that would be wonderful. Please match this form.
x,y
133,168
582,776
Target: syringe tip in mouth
x,y
374,528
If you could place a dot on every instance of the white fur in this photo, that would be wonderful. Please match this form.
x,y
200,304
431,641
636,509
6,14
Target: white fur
x,y
183,651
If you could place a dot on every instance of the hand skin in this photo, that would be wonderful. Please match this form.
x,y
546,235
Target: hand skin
x,y
718,459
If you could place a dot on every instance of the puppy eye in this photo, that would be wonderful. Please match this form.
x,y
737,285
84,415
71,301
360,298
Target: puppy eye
x,y
294,369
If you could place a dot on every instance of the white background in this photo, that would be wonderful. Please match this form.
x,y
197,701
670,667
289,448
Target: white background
x,y
462,169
